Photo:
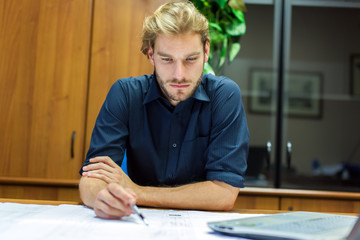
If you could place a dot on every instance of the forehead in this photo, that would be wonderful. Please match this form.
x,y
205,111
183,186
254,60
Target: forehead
x,y
184,42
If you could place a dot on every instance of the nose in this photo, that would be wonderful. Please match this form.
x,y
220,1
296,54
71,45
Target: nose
x,y
179,71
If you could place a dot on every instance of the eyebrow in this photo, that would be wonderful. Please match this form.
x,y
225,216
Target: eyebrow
x,y
162,54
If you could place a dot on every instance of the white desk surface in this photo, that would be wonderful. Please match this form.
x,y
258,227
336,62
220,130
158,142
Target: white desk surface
x,y
34,221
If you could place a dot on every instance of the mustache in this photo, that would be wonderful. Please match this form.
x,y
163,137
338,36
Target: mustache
x,y
176,81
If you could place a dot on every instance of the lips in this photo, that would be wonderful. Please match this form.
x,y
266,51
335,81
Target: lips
x,y
181,86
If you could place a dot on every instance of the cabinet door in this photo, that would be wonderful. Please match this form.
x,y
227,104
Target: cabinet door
x,y
320,205
44,61
115,51
257,202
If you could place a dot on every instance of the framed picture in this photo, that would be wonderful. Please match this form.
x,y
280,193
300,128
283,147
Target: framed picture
x,y
302,96
355,75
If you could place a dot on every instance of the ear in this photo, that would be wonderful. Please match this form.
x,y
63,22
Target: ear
x,y
207,51
150,54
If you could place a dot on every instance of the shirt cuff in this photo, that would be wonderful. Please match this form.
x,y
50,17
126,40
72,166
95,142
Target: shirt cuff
x,y
230,178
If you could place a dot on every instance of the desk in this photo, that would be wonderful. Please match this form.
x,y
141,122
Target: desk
x,y
37,221
49,202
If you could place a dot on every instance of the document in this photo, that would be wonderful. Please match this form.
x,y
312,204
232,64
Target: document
x,y
32,221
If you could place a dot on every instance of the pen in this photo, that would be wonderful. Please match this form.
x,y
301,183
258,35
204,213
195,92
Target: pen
x,y
137,211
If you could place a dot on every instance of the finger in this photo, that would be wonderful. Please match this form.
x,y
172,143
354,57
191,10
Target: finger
x,y
103,210
99,174
111,205
125,195
95,166
102,214
104,159
133,195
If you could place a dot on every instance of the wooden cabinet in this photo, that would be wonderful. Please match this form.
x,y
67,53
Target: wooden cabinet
x,y
298,200
44,62
320,205
115,50
257,202
58,59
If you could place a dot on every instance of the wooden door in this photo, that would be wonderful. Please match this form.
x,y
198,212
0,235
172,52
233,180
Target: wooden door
x,y
44,62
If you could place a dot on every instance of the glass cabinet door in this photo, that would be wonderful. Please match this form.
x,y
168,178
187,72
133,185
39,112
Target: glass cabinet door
x,y
321,110
299,74
252,71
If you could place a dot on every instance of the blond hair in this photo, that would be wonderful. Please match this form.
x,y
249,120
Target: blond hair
x,y
174,18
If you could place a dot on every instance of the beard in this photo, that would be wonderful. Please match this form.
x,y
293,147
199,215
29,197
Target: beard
x,y
179,95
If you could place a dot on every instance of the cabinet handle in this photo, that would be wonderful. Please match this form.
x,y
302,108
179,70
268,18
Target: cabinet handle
x,y
72,144
288,154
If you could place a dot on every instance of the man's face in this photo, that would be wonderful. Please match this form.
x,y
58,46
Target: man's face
x,y
179,64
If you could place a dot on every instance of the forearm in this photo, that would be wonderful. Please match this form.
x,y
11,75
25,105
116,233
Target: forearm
x,y
208,195
89,188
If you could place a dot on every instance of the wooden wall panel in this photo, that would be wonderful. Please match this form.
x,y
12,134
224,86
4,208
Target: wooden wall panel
x,y
115,52
40,193
257,202
44,62
320,205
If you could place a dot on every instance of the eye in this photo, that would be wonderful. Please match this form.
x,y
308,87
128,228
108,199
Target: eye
x,y
166,59
191,59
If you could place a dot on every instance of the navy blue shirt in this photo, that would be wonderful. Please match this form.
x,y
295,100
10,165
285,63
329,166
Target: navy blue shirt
x,y
203,138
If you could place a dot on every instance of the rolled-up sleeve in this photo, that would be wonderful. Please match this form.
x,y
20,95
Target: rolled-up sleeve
x,y
111,128
229,140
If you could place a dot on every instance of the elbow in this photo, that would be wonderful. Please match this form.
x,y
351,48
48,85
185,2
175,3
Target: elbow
x,y
228,207
228,202
82,190
227,196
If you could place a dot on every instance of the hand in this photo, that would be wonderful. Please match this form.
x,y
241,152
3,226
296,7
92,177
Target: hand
x,y
113,202
104,168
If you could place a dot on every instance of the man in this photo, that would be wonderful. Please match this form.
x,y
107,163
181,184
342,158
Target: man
x,y
184,132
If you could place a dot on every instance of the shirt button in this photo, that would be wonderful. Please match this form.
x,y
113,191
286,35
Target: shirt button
x,y
174,145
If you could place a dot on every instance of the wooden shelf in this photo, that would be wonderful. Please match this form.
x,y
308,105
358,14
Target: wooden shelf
x,y
39,181
42,202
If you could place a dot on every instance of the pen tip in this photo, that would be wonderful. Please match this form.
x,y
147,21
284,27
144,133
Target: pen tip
x,y
146,222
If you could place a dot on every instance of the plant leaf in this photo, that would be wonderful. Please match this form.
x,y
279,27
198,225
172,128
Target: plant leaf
x,y
216,26
208,68
236,29
221,3
217,36
239,15
234,50
223,53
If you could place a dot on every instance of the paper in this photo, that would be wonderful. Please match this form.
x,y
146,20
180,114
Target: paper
x,y
31,221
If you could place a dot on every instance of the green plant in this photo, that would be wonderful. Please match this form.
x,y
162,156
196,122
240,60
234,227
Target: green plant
x,y
226,26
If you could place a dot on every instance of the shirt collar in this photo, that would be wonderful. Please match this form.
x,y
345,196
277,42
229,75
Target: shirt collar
x,y
154,92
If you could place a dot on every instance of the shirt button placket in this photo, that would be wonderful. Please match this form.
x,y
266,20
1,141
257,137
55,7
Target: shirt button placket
x,y
173,147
